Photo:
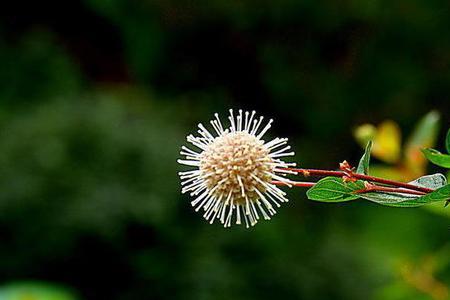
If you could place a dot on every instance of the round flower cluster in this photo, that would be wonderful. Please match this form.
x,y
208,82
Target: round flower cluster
x,y
235,169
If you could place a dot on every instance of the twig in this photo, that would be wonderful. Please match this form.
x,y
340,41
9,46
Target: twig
x,y
295,183
376,188
347,174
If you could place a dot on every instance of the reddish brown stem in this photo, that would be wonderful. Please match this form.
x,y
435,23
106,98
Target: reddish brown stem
x,y
295,183
368,188
316,172
377,188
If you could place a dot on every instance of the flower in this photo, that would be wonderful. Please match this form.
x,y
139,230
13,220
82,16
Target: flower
x,y
235,169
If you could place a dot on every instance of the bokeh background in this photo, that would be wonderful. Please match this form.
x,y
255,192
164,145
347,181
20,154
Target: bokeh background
x,y
96,98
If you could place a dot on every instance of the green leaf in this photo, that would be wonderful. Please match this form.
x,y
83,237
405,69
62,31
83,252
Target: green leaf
x,y
333,189
437,157
435,181
391,199
447,141
363,166
438,195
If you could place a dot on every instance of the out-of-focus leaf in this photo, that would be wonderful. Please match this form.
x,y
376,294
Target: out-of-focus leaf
x,y
447,141
423,136
365,133
333,189
387,142
35,291
437,158
363,166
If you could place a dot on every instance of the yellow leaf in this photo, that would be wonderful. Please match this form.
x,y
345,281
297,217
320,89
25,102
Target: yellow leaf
x,y
387,142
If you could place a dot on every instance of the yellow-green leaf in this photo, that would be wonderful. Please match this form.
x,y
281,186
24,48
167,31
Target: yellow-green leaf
x,y
387,142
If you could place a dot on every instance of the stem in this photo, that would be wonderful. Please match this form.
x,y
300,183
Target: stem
x,y
377,188
295,183
368,188
316,172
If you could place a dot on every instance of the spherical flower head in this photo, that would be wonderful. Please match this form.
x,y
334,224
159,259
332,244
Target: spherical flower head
x,y
234,170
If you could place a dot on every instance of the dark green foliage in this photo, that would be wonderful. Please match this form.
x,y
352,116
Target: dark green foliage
x,y
96,97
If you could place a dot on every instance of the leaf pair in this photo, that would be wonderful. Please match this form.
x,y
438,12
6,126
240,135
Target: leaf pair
x,y
436,157
334,189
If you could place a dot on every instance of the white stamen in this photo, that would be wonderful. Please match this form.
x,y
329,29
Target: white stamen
x,y
282,154
258,123
234,169
269,124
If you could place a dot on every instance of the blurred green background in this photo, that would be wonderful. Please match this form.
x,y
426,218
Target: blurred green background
x,y
96,98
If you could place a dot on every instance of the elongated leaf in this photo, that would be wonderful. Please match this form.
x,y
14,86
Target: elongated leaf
x,y
363,166
333,189
438,195
436,181
391,199
437,158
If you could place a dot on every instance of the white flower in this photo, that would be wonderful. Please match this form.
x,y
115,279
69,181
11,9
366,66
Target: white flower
x,y
235,170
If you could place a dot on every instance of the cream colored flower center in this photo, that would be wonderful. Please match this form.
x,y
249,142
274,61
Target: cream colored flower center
x,y
232,163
